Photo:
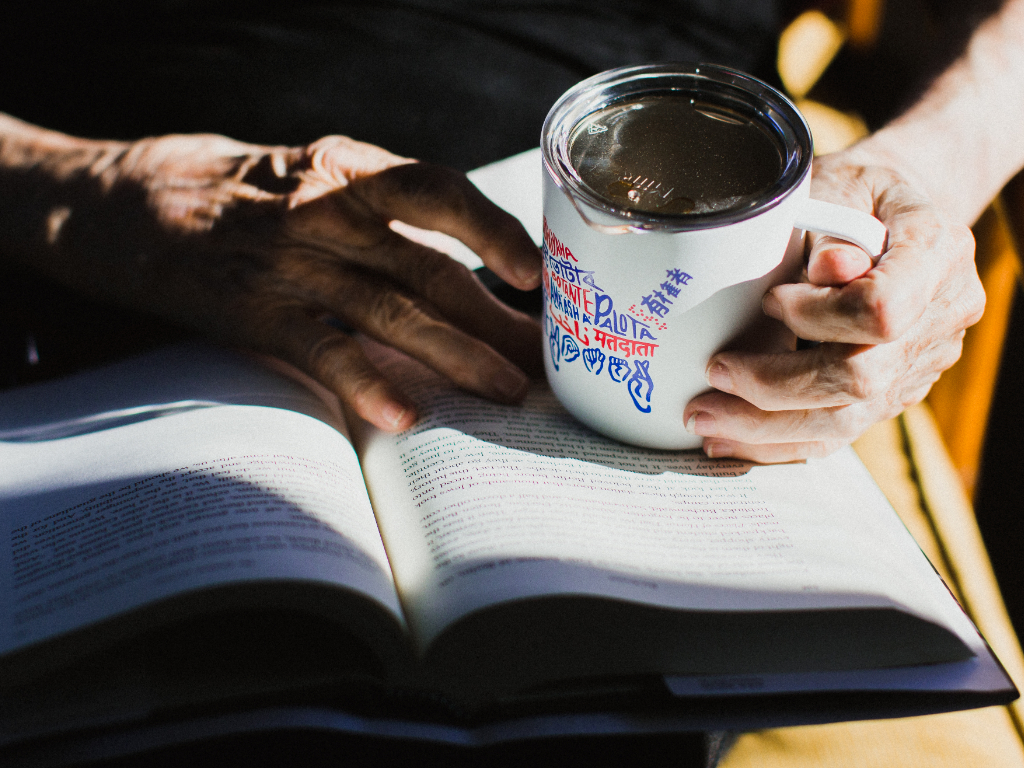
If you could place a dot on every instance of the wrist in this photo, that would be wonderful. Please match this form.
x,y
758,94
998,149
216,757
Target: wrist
x,y
962,141
44,177
887,149
958,178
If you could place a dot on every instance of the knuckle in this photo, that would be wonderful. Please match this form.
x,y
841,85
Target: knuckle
x,y
916,395
321,153
822,448
885,321
337,361
322,354
797,426
950,352
878,314
847,422
974,302
751,425
393,311
859,381
963,242
969,288
427,184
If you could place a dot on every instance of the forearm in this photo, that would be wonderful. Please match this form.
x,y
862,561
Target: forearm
x,y
45,178
964,139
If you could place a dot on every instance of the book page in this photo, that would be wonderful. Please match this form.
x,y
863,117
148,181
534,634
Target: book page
x,y
481,503
188,468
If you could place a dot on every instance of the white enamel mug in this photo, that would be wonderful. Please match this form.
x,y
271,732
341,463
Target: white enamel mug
x,y
636,303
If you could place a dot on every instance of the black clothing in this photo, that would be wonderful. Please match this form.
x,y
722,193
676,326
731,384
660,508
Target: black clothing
x,y
462,82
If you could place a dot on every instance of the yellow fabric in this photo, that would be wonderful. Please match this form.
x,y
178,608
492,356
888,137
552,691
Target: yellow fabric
x,y
909,462
983,738
952,518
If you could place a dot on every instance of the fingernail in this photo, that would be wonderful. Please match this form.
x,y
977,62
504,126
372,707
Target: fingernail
x,y
716,450
393,414
718,376
701,423
771,306
510,384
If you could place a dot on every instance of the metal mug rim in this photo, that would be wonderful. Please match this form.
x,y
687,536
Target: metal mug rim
x,y
615,85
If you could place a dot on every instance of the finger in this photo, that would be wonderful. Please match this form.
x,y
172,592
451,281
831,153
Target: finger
x,y
386,313
437,198
873,309
727,417
446,285
737,429
344,159
771,454
826,376
457,293
834,262
337,361
831,375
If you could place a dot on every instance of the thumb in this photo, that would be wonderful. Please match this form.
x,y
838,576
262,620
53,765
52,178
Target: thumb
x,y
835,262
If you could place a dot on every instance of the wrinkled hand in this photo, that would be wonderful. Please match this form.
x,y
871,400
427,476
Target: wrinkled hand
x,y
887,331
256,246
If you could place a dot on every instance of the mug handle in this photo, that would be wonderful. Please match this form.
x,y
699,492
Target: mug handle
x,y
858,227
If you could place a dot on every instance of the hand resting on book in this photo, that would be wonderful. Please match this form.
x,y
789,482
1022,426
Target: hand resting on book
x,y
257,245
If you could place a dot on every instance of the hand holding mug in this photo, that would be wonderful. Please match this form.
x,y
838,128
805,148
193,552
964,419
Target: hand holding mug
x,y
888,331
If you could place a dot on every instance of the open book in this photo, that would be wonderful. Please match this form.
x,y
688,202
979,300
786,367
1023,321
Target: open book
x,y
191,530
196,536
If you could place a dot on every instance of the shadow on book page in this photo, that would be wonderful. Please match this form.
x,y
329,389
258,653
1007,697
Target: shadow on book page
x,y
86,552
97,422
542,428
167,382
127,485
539,428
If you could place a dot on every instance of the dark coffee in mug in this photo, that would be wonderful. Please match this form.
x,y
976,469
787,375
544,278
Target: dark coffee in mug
x,y
675,154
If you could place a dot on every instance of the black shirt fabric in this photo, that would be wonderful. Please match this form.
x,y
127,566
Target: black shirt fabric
x,y
461,82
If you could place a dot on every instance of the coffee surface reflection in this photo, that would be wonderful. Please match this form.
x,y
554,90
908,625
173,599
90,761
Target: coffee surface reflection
x,y
674,155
